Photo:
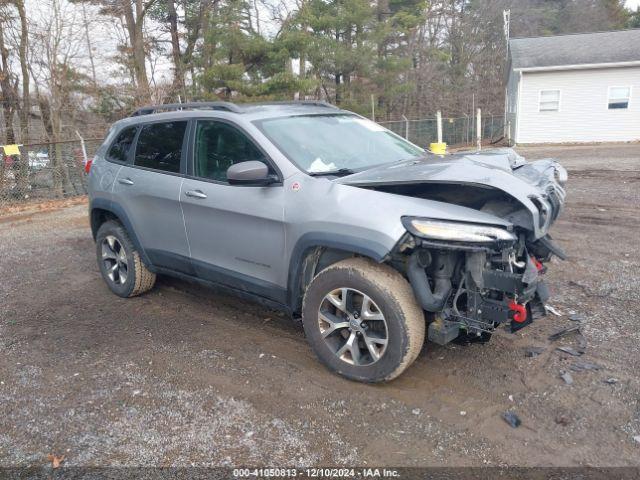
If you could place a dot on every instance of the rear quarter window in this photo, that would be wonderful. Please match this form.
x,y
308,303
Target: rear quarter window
x,y
121,146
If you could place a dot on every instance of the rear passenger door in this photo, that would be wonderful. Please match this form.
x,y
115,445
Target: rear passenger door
x,y
236,233
148,189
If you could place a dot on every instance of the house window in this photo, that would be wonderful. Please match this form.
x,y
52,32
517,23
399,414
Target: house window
x,y
549,100
619,97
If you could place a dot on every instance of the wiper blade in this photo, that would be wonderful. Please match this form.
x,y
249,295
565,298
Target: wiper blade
x,y
338,172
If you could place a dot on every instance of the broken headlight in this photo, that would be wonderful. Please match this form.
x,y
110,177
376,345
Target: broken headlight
x,y
560,174
455,231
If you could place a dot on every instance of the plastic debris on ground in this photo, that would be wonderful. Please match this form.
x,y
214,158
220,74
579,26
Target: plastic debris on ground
x,y
570,351
533,351
563,332
512,419
550,309
566,376
580,366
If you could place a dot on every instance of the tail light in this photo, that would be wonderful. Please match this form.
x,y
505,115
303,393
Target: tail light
x,y
87,165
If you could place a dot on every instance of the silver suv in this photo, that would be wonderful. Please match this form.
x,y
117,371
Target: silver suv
x,y
320,212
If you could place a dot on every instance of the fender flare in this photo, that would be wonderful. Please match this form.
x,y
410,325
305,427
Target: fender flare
x,y
312,240
116,209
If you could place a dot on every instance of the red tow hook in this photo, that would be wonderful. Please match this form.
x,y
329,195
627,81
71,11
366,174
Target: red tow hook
x,y
538,264
519,312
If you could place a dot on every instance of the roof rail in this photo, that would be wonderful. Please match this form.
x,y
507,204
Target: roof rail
x,y
226,106
317,103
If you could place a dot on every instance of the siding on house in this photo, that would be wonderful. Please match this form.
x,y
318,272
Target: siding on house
x,y
584,115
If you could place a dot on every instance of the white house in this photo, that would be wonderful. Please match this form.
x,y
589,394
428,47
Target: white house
x,y
574,88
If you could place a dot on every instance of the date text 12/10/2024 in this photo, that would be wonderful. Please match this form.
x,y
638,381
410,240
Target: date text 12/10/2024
x,y
315,473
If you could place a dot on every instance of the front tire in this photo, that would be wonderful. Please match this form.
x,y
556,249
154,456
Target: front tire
x,y
120,264
362,320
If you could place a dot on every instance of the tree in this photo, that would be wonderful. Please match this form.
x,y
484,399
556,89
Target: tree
x,y
9,82
133,14
334,38
237,60
57,46
184,20
633,20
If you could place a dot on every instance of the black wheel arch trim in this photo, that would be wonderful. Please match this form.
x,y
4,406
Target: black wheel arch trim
x,y
116,209
313,240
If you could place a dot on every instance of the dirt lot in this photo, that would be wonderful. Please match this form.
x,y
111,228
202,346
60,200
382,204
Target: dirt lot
x,y
184,376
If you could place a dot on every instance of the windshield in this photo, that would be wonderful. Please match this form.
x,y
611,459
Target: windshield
x,y
336,143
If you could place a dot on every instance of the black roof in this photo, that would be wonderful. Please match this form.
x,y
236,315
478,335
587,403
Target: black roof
x,y
575,49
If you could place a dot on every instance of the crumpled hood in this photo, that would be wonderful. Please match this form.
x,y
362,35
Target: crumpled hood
x,y
537,185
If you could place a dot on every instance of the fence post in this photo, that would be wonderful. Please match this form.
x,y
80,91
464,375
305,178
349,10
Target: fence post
x,y
406,127
373,109
439,125
479,129
84,150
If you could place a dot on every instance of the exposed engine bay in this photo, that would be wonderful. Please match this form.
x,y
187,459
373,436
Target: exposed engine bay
x,y
471,291
471,278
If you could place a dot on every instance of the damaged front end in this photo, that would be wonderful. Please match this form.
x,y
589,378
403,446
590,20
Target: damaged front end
x,y
473,278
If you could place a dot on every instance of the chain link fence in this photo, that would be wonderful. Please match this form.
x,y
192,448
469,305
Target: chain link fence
x,y
44,171
457,131
51,171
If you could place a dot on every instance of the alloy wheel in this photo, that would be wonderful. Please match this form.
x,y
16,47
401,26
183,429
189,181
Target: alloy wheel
x,y
353,326
114,260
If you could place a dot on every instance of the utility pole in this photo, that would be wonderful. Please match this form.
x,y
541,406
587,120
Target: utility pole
x,y
479,129
473,112
506,17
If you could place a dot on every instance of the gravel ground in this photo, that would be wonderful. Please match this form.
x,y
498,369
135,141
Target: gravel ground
x,y
186,376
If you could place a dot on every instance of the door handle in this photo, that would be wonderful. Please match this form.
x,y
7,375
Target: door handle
x,y
125,181
195,194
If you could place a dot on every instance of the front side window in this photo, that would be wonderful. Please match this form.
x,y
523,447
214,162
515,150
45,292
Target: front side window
x,y
329,143
121,146
619,97
218,146
160,146
549,100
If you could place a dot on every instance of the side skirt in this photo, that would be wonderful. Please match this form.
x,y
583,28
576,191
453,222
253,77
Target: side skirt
x,y
222,288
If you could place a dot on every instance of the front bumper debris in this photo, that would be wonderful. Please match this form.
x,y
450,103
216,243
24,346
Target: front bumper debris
x,y
474,292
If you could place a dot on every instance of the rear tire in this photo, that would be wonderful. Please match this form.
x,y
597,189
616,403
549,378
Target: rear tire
x,y
119,261
363,321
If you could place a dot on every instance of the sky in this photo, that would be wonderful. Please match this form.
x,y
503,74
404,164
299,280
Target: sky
x,y
632,4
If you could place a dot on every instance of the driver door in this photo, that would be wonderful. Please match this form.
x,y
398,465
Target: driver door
x,y
235,233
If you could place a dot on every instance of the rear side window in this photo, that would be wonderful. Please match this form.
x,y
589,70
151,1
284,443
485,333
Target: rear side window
x,y
121,146
160,146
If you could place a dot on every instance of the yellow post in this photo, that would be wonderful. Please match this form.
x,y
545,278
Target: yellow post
x,y
439,148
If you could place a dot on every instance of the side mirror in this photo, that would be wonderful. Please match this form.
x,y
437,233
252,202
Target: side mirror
x,y
249,173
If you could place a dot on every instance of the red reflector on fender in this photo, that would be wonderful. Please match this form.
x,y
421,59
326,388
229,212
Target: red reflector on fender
x,y
87,166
